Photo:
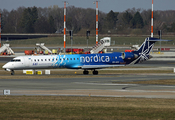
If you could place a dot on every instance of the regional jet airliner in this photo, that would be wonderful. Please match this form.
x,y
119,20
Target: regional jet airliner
x,y
83,61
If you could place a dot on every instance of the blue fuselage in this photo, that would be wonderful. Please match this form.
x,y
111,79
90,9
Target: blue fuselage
x,y
74,61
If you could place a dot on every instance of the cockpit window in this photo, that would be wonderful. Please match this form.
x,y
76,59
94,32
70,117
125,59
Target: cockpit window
x,y
16,60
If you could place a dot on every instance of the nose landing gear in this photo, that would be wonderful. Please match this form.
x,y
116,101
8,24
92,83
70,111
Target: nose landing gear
x,y
12,72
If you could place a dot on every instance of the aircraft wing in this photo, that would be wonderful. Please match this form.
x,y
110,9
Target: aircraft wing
x,y
98,66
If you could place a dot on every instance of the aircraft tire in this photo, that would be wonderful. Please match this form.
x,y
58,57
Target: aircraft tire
x,y
95,72
85,72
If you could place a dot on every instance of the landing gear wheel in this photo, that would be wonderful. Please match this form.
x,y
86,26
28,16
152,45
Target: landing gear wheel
x,y
95,72
12,72
85,72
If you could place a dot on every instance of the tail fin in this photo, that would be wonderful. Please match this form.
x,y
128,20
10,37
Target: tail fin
x,y
145,49
147,46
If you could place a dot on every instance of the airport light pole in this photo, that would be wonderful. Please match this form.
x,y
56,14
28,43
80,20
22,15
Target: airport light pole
x,y
96,22
71,38
160,37
87,34
152,21
0,29
65,2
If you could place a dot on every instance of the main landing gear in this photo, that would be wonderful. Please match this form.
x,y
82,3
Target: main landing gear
x,y
86,72
95,72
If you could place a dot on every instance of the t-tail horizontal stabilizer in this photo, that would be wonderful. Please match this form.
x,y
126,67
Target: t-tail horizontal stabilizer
x,y
156,39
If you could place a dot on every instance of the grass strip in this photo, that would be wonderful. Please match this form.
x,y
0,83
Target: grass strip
x,y
86,108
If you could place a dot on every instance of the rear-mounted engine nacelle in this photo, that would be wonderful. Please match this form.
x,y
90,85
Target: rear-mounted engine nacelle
x,y
129,56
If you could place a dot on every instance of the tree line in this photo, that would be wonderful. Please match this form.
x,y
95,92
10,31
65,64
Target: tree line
x,y
50,20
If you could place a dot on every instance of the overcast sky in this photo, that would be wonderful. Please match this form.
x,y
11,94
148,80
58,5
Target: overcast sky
x,y
104,5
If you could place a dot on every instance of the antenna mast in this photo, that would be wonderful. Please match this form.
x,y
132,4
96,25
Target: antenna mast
x,y
152,21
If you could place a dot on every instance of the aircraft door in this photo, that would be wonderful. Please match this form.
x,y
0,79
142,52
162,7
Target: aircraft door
x,y
26,61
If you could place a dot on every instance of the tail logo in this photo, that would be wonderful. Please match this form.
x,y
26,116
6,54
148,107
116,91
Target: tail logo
x,y
144,51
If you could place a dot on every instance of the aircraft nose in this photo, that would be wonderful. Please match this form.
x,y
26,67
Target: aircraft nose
x,y
4,66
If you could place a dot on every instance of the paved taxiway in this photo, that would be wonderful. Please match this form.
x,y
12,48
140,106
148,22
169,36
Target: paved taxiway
x,y
103,85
